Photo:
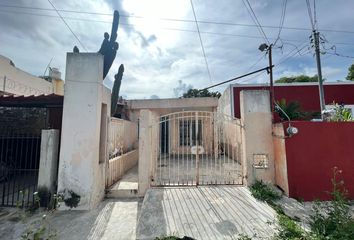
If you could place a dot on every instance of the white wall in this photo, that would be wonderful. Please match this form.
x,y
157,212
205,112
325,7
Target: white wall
x,y
79,167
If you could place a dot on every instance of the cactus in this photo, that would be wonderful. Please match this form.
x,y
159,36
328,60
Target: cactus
x,y
115,91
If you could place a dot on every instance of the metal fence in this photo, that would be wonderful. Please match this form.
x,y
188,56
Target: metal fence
x,y
19,164
197,148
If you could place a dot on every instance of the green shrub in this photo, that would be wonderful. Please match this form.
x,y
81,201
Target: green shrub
x,y
332,220
264,192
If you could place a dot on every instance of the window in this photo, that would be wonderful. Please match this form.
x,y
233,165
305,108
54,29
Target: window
x,y
188,132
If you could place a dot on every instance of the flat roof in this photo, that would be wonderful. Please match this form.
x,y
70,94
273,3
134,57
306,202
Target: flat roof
x,y
172,103
50,100
290,84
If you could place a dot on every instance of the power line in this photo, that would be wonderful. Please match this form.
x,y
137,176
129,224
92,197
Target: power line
x,y
282,18
315,14
255,64
334,49
239,77
82,45
133,25
177,20
292,53
201,41
169,29
247,79
255,20
310,14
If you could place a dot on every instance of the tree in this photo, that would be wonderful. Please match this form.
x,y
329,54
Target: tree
x,y
194,93
350,76
300,78
294,111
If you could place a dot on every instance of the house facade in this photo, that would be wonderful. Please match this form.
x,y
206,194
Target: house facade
x,y
14,81
307,94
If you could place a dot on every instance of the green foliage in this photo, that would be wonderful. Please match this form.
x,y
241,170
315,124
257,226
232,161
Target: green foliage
x,y
332,220
341,114
167,238
38,229
294,111
288,228
244,237
300,78
194,93
174,238
350,75
264,192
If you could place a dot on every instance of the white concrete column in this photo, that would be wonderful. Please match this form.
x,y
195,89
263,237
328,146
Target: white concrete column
x,y
148,133
48,163
257,140
83,151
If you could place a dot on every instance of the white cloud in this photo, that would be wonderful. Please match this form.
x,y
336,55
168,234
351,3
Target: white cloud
x,y
156,58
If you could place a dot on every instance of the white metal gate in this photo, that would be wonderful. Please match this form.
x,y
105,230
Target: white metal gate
x,y
197,148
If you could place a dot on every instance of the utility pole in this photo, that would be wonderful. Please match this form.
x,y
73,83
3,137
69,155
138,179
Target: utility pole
x,y
316,36
272,97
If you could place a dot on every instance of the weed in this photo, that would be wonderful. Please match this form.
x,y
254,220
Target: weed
x,y
332,220
41,228
264,192
174,238
244,237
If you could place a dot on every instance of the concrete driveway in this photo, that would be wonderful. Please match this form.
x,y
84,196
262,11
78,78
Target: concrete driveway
x,y
220,212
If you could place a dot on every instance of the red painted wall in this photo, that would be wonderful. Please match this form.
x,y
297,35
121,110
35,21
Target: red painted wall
x,y
307,96
314,152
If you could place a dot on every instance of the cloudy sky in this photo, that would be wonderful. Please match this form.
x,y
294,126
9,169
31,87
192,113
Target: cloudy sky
x,y
160,46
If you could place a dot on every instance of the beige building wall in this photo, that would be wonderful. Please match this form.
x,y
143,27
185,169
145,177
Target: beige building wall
x,y
16,81
182,106
257,140
122,136
281,173
166,106
232,127
225,102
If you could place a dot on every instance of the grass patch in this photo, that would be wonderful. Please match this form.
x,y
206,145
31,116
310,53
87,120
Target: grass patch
x,y
264,192
330,221
174,238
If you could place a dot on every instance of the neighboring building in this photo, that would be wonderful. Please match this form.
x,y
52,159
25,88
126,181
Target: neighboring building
x,y
170,105
307,94
181,121
14,81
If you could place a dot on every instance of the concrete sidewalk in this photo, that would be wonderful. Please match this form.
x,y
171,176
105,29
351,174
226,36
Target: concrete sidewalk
x,y
220,212
112,219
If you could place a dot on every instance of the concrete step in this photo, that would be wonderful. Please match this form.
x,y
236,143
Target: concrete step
x,y
127,187
123,190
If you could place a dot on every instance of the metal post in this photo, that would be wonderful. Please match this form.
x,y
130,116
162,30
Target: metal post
x,y
197,150
272,98
319,70
4,85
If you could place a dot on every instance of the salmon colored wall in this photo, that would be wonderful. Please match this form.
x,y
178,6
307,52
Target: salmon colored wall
x,y
307,96
313,153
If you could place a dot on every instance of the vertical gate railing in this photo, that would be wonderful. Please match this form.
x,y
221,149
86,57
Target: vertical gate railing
x,y
19,164
198,148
